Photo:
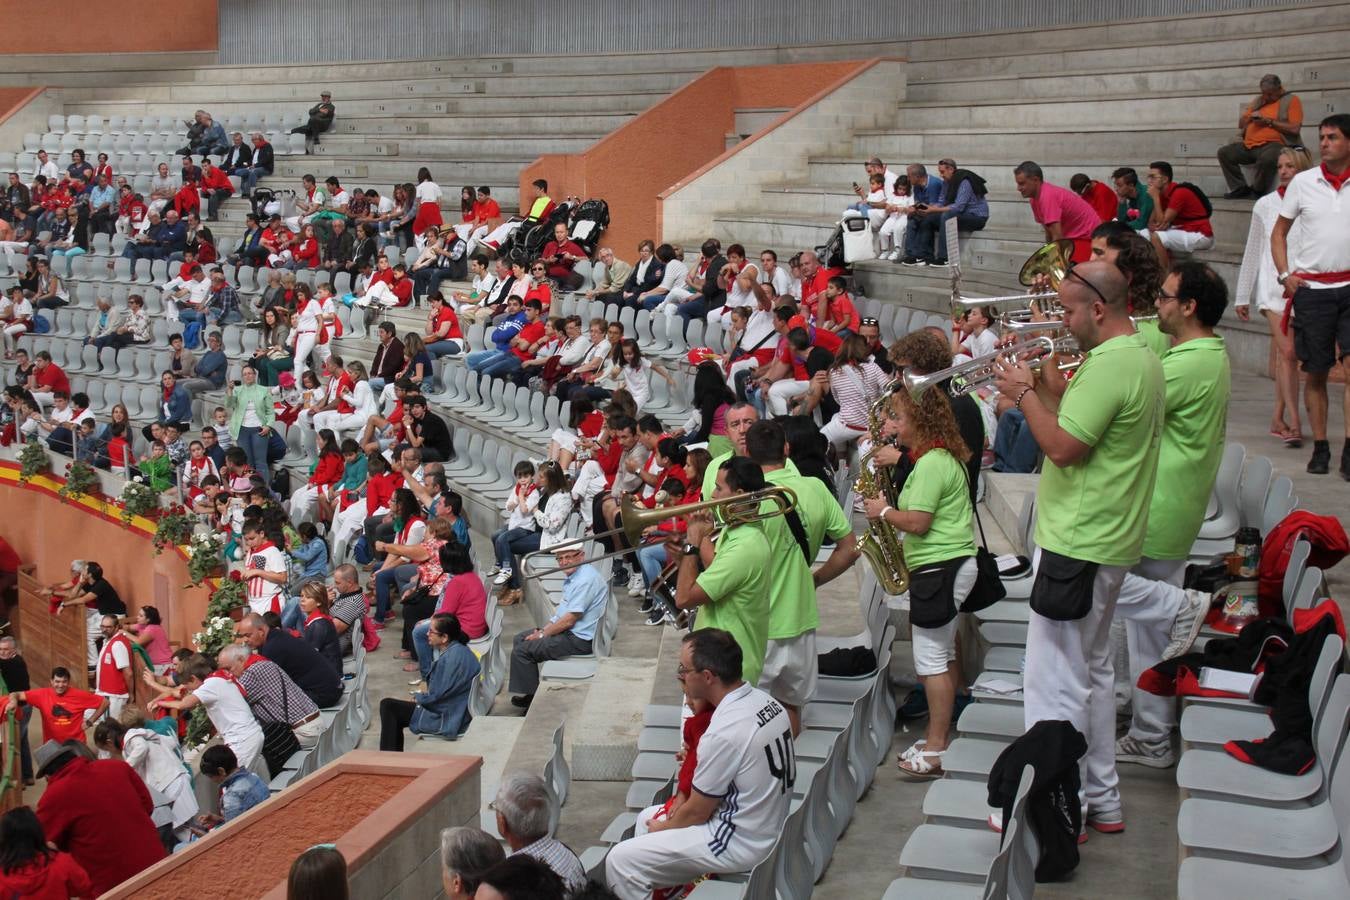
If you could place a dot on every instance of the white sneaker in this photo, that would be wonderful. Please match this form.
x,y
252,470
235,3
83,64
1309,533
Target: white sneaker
x,y
1186,626
493,571
637,585
502,577
1155,755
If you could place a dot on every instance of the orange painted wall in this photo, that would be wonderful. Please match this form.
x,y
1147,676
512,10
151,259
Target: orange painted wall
x,y
12,99
49,533
142,26
631,166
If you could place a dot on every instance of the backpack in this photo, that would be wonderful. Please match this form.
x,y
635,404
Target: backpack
x,y
192,333
1199,195
40,324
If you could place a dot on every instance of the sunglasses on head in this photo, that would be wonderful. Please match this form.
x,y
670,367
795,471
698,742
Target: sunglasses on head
x,y
1070,273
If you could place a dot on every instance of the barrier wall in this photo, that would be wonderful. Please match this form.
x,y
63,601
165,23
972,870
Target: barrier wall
x,y
674,138
118,26
49,533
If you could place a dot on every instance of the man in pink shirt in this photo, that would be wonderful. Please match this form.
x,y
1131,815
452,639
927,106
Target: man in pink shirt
x,y
1063,214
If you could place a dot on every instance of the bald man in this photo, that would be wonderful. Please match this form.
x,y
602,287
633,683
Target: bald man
x,y
1100,433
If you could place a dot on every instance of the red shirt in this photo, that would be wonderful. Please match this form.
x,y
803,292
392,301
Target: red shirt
x,y
51,379
842,311
380,490
591,425
826,340
59,877
307,253
485,210
532,332
815,285
786,354
9,560
187,200
541,292
327,471
99,811
563,266
216,180
1102,199
448,315
693,729
1191,214
62,716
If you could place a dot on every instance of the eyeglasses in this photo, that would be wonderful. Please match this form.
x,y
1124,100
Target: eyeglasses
x,y
1162,296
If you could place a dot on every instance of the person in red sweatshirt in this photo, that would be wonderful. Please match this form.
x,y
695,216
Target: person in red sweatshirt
x,y
327,472
1099,196
32,870
215,187
98,811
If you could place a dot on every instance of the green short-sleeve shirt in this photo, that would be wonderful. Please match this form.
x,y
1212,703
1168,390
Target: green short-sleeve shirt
x,y
937,485
1158,342
1096,509
1198,384
737,584
820,512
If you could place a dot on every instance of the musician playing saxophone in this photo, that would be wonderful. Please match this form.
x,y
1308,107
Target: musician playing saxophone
x,y
1101,440
934,512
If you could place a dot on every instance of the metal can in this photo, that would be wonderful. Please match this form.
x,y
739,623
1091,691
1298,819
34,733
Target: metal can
x,y
1248,546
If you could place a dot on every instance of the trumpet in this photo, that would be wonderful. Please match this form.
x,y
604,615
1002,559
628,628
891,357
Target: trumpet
x,y
1051,260
740,509
973,374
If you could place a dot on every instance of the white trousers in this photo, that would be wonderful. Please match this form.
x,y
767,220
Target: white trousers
x,y
347,524
379,292
840,434
93,619
1068,676
340,422
668,858
308,734
277,260
781,392
892,231
1150,597
249,754
590,481
304,346
303,501
11,334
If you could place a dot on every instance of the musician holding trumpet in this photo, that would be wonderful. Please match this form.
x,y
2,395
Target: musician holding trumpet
x,y
934,511
1100,434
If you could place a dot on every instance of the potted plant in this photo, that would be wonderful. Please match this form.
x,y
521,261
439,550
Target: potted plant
x,y
228,599
174,529
204,556
81,480
137,499
33,460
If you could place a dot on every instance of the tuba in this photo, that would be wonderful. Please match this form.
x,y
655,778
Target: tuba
x,y
881,543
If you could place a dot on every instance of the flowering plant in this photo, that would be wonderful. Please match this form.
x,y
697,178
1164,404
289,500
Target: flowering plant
x,y
80,480
227,597
33,460
173,529
198,728
204,555
137,499
216,632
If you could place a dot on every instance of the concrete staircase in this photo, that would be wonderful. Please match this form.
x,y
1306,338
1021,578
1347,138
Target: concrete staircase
x,y
1079,99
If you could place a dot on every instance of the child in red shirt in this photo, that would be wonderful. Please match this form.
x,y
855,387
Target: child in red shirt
x,y
837,313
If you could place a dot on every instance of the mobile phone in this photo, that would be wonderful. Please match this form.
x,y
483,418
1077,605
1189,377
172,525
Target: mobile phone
x,y
920,205
237,382
855,186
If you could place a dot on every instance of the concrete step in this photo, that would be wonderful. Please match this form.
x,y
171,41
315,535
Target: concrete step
x,y
483,126
392,170
1209,109
1231,54
469,104
1016,140
436,147
392,85
1048,43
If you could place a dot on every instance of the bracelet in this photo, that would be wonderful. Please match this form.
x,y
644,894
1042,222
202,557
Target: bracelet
x,y
1018,402
884,510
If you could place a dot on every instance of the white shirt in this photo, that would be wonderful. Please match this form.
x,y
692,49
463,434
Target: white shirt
x,y
261,592
229,711
642,267
308,318
1256,279
197,291
23,309
363,398
782,282
598,351
574,350
736,296
889,181
521,508
340,199
757,331
746,760
48,168
1325,213
638,382
428,192
483,284
981,344
552,519
160,184
384,207
676,274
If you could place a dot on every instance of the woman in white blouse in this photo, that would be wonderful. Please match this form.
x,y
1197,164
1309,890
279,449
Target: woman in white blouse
x,y
428,198
1256,281
306,331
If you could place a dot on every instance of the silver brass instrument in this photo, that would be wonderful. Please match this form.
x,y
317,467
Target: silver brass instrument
x,y
740,509
880,543
1052,261
973,374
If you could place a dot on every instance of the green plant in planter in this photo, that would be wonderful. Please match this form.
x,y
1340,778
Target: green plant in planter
x,y
137,499
228,596
174,529
81,480
33,460
204,556
198,727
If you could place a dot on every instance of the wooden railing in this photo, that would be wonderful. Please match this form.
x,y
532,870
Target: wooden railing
x,y
49,640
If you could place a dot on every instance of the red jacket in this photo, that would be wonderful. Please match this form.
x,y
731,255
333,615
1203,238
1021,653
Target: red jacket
x,y
380,490
57,877
216,180
1329,546
327,471
187,200
99,812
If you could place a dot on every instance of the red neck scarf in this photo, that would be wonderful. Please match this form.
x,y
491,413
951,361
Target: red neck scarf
x,y
1336,181
229,676
316,615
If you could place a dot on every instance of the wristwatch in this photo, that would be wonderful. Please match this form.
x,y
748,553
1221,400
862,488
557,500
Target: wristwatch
x,y
1283,277
689,550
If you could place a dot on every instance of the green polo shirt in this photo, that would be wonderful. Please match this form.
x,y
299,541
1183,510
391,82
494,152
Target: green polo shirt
x,y
817,507
1196,418
737,583
1158,342
1096,509
938,485
710,474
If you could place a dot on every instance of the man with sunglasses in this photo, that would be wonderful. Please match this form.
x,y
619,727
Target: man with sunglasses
x,y
1160,617
741,788
1100,436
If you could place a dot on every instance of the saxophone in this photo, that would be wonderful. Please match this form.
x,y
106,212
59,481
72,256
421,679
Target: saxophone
x,y
880,543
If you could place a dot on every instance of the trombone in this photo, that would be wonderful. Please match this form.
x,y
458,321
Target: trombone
x,y
739,509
